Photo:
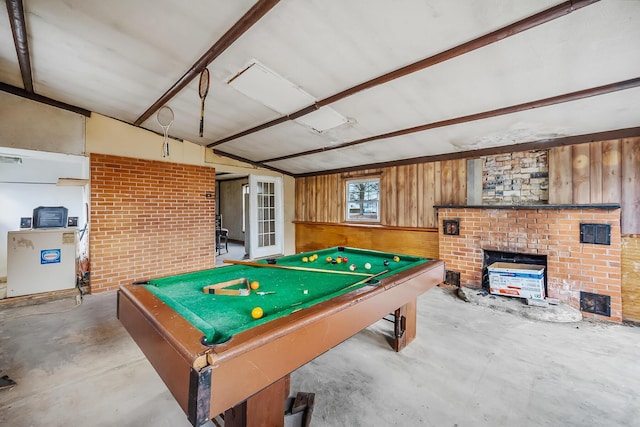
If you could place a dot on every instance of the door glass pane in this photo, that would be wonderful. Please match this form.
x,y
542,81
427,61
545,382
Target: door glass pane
x,y
266,214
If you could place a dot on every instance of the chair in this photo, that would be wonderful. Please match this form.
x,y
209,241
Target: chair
x,y
222,234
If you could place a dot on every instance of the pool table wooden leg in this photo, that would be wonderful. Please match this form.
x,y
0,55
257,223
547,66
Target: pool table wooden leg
x,y
405,325
265,408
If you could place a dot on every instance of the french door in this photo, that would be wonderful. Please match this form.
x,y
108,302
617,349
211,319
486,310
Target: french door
x,y
265,216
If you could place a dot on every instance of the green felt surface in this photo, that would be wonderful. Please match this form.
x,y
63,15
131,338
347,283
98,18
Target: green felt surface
x,y
219,317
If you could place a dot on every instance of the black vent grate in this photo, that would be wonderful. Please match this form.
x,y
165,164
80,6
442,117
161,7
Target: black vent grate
x,y
595,303
451,227
598,234
452,278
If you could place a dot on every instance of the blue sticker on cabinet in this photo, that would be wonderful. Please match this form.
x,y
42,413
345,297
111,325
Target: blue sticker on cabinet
x,y
50,256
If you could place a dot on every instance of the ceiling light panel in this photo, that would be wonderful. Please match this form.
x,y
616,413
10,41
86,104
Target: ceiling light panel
x,y
322,119
264,85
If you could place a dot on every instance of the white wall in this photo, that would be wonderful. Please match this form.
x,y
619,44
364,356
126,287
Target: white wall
x,y
230,207
33,183
27,124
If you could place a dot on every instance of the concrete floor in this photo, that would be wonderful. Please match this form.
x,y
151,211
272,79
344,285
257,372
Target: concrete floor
x,y
235,251
470,366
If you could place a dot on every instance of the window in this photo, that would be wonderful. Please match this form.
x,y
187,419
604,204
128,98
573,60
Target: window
x,y
363,199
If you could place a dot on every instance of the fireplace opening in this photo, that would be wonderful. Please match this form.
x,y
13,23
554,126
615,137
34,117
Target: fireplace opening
x,y
490,257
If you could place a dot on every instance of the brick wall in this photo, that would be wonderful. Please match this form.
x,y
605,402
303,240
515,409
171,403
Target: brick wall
x,y
148,219
520,178
571,266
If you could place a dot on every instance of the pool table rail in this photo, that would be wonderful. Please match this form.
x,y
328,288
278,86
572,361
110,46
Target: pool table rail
x,y
170,343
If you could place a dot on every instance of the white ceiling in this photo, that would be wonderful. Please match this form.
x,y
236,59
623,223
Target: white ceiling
x,y
118,57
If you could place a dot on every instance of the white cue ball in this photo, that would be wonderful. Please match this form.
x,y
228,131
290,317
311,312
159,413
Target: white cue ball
x,y
367,266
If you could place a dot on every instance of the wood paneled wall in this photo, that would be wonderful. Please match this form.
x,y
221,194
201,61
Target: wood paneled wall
x,y
407,193
311,236
631,278
590,173
599,172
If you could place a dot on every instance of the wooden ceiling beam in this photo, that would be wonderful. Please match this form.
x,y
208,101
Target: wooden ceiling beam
x,y
43,99
20,39
251,162
560,99
492,151
252,16
482,41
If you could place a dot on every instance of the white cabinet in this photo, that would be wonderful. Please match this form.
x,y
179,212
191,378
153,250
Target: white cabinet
x,y
41,260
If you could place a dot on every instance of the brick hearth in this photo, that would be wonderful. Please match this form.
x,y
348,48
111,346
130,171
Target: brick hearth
x,y
553,231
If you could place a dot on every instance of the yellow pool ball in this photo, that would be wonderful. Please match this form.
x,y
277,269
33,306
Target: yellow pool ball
x,y
254,285
339,260
257,313
305,259
396,258
329,259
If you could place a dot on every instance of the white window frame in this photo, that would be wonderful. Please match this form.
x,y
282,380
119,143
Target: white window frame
x,y
347,215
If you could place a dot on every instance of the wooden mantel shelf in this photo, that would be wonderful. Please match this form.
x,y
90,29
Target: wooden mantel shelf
x,y
522,207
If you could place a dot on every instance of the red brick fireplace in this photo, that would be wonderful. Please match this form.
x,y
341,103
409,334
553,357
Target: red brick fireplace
x,y
552,231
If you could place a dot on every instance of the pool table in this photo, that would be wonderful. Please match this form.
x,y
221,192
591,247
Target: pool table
x,y
198,332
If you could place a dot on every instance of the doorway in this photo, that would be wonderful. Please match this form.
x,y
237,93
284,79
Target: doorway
x,y
251,212
229,207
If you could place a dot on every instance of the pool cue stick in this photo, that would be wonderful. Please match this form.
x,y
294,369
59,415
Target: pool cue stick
x,y
366,280
287,267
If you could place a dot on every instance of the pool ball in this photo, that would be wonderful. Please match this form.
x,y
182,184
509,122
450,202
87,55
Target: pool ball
x,y
396,258
345,259
352,267
254,285
329,259
367,266
257,313
386,262
333,261
339,260
305,259
315,256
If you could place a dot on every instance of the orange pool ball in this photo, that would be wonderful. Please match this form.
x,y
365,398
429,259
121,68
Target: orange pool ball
x,y
254,285
257,313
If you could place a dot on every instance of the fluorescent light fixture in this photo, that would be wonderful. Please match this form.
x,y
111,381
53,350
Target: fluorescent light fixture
x,y
11,160
324,118
261,84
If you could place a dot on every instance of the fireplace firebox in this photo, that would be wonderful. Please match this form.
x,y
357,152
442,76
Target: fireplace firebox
x,y
490,257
